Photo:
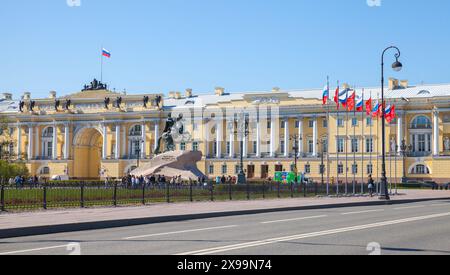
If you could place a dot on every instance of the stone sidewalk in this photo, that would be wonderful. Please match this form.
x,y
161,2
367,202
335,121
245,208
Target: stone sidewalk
x,y
56,221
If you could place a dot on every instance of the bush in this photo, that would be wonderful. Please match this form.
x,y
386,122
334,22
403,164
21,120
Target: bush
x,y
11,170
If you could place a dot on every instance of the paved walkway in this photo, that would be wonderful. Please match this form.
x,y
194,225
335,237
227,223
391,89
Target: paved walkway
x,y
10,221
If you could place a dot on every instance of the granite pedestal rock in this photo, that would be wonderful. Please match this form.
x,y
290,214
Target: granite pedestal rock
x,y
172,164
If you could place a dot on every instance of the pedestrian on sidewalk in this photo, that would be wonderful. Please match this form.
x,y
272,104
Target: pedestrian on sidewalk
x,y
371,185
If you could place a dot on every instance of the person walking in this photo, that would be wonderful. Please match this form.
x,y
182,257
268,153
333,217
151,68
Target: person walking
x,y
371,186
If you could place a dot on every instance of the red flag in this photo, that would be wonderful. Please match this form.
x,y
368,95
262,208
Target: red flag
x,y
351,102
391,115
369,107
336,97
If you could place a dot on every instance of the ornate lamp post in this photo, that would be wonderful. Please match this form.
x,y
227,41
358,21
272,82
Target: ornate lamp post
x,y
241,129
296,148
396,66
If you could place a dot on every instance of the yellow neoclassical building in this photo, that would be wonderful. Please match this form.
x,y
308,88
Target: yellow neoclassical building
x,y
98,133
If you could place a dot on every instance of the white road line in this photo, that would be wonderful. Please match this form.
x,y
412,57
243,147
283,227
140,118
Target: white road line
x,y
441,204
295,219
409,207
179,232
32,250
217,250
362,212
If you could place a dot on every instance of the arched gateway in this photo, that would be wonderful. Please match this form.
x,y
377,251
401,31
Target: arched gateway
x,y
87,146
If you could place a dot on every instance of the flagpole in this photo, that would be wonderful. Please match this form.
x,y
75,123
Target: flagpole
x,y
346,146
362,144
354,149
328,137
371,136
101,66
378,143
337,140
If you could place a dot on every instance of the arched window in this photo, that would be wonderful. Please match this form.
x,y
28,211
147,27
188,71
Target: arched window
x,y
47,142
421,122
135,141
420,169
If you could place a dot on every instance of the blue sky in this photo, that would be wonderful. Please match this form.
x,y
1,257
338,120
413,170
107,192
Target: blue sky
x,y
242,45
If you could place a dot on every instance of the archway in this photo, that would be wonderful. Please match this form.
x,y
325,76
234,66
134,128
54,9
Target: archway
x,y
88,143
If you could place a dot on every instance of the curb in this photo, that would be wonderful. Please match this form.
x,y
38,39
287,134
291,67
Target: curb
x,y
75,227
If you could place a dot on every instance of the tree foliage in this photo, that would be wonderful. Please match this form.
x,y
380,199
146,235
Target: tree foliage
x,y
11,170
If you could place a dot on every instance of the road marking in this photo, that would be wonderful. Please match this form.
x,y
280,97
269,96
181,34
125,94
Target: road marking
x,y
33,250
362,212
409,207
295,219
216,250
179,232
441,204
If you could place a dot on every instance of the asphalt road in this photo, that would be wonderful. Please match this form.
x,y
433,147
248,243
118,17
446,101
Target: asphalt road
x,y
419,228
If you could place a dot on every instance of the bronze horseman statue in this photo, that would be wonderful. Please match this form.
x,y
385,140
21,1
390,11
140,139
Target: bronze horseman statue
x,y
173,128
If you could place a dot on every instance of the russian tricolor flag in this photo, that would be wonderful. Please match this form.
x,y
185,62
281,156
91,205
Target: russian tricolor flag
x,y
326,95
376,110
106,53
360,104
343,97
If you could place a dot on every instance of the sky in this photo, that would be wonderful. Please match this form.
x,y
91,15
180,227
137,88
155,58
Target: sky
x,y
159,46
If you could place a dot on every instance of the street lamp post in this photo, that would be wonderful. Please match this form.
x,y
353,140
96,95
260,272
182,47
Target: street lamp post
x,y
404,150
241,126
139,150
296,148
396,66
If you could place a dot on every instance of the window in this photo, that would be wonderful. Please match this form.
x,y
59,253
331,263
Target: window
x,y
45,171
325,123
211,169
369,121
269,125
255,146
340,169
340,145
310,146
420,170
354,122
237,169
183,146
283,125
340,122
224,169
135,148
297,124
355,169
228,147
11,131
325,146
113,148
311,123
292,167
195,126
421,122
195,146
282,147
369,169
355,145
215,148
369,145
136,131
308,169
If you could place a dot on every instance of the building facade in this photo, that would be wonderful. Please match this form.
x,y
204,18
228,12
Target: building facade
x,y
98,133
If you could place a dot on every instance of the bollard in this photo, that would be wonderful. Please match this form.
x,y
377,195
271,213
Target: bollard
x,y
143,194
278,188
168,193
45,198
115,195
264,190
82,195
212,192
2,198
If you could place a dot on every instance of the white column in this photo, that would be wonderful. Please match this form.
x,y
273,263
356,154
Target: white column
x,y
399,132
218,140
435,132
156,135
300,135
19,141
286,138
231,129
118,141
30,142
315,136
245,148
105,142
258,139
144,142
124,142
55,143
66,142
272,138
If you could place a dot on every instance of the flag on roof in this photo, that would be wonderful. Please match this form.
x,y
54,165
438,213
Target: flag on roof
x,y
106,53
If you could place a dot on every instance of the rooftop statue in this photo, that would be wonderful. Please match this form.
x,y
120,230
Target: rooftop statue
x,y
95,86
